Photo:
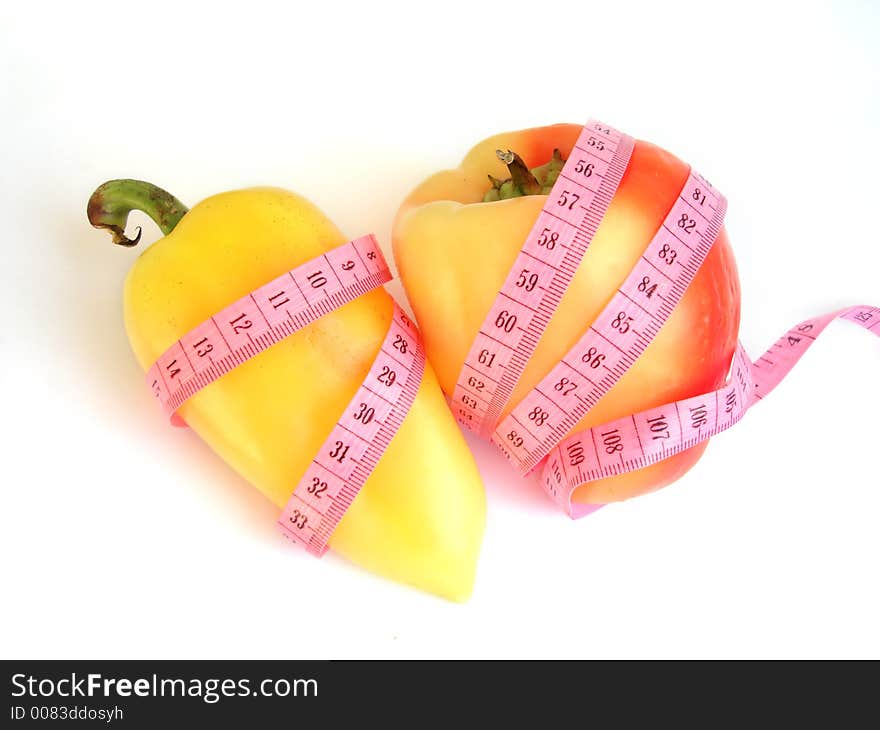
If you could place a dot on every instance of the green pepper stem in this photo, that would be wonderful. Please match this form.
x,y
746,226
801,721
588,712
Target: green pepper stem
x,y
111,203
519,172
523,181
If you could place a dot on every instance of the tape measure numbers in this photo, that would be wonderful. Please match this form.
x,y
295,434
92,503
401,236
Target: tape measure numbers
x,y
552,252
357,442
276,310
264,317
623,330
533,432
645,438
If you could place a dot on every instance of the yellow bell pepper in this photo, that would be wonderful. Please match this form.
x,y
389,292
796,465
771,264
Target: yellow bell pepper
x,y
457,235
419,518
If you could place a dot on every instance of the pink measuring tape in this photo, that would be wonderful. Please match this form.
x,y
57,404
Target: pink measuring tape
x,y
531,434
269,314
645,438
358,440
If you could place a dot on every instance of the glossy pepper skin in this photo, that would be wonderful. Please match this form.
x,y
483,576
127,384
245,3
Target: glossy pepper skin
x,y
453,252
419,518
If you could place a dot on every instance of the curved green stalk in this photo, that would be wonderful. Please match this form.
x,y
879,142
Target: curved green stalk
x,y
111,203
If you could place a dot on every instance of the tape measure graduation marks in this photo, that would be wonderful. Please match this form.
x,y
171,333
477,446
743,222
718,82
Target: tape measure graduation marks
x,y
636,312
645,438
619,335
357,442
264,317
551,254
623,330
269,314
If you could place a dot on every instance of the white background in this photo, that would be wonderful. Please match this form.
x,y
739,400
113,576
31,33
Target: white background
x,y
121,537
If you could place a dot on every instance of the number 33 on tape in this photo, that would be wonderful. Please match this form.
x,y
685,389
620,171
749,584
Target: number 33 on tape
x,y
534,433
